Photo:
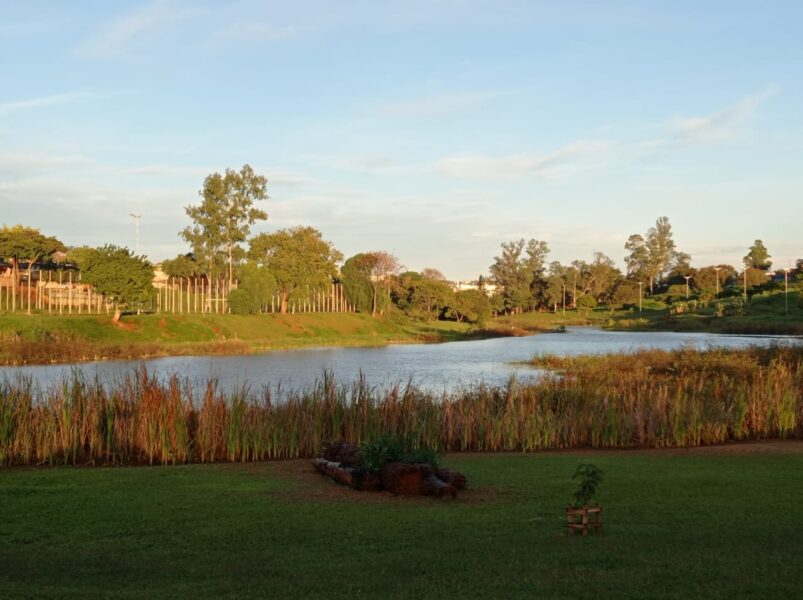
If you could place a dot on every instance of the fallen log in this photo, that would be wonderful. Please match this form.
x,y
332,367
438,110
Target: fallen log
x,y
453,478
344,475
403,479
438,488
347,455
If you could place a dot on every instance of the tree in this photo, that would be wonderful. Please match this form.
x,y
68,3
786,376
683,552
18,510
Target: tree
x,y
20,243
116,273
183,265
596,278
519,271
299,260
255,290
471,305
653,256
434,274
367,278
224,216
758,257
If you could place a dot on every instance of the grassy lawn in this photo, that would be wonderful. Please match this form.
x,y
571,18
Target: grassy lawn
x,y
80,337
715,523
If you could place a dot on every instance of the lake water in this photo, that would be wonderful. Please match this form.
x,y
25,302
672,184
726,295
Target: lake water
x,y
433,366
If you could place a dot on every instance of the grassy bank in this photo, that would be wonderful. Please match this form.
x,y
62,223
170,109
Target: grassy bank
x,y
649,399
682,524
42,339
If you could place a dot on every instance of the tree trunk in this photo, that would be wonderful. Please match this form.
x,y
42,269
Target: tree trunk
x,y
117,314
373,301
283,302
30,278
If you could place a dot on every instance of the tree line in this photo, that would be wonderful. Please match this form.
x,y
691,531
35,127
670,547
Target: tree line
x,y
297,262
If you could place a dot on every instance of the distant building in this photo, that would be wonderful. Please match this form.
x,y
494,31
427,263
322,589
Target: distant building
x,y
459,286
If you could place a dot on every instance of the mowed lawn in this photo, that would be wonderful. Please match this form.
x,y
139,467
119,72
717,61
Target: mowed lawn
x,y
714,523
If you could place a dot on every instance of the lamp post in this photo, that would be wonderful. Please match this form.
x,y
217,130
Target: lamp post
x,y
136,219
639,295
716,270
687,277
786,290
564,299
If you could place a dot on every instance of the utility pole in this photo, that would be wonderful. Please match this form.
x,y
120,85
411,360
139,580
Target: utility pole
x,y
564,299
136,219
687,277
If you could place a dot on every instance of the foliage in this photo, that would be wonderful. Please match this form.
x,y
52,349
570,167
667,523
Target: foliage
x,y
116,273
367,280
258,283
299,260
421,297
183,265
730,307
380,451
758,257
472,306
356,278
223,218
589,478
241,302
520,271
654,255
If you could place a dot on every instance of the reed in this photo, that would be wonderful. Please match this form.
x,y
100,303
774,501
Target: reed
x,y
645,399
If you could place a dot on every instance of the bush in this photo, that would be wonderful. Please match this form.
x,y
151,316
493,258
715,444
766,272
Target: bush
x,y
389,448
241,302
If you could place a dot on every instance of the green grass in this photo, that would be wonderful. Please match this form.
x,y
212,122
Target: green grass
x,y
677,525
49,337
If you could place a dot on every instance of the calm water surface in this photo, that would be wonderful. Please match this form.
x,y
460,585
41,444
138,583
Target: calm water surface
x,y
434,366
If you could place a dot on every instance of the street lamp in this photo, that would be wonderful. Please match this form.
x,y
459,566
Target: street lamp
x,y
136,219
564,299
687,277
639,295
786,289
716,270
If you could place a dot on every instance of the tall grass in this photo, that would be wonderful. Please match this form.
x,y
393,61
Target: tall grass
x,y
646,399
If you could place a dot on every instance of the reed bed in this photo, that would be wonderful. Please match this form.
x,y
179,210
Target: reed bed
x,y
647,399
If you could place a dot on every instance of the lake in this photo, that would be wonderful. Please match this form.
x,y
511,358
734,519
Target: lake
x,y
433,366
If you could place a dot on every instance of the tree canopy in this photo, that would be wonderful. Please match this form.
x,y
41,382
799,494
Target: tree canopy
x,y
299,260
20,243
654,255
116,273
223,218
758,257
519,272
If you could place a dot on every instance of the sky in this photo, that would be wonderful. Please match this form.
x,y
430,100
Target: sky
x,y
434,129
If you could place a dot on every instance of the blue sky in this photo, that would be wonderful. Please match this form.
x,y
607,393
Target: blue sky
x,y
432,129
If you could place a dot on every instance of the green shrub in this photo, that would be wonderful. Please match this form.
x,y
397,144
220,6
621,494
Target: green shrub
x,y
241,302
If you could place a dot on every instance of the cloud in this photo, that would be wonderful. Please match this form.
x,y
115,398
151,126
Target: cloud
x,y
21,163
434,106
257,31
113,39
8,107
508,167
721,125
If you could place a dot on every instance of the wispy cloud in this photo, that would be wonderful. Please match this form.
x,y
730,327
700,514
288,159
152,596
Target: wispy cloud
x,y
509,167
114,38
257,31
437,105
50,100
718,126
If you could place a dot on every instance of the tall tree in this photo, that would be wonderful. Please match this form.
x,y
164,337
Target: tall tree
x,y
299,260
115,272
355,274
653,256
20,243
758,257
519,272
223,218
183,265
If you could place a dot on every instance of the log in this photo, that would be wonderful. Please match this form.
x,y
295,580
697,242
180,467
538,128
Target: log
x,y
438,488
347,455
344,475
453,478
403,479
